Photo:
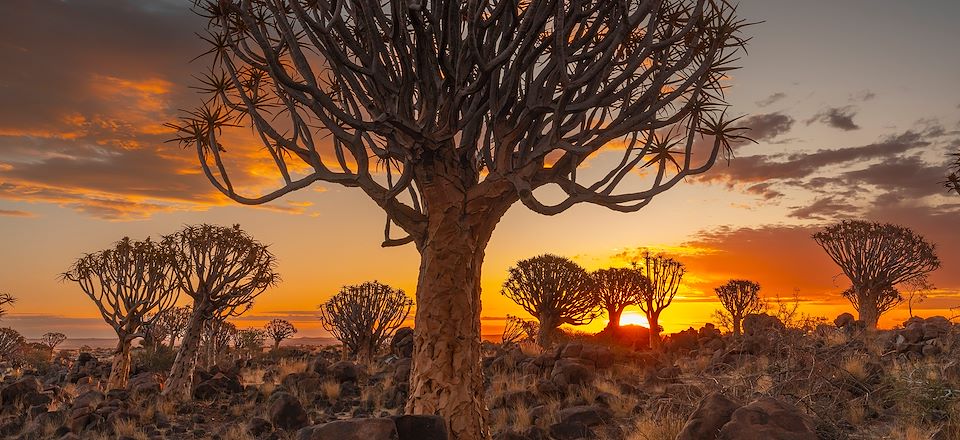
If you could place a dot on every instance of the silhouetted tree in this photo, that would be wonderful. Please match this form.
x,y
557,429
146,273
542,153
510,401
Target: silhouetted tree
x,y
363,316
517,329
278,330
664,275
953,179
11,345
876,258
217,334
52,339
618,288
176,321
446,113
130,283
739,298
553,289
223,269
6,300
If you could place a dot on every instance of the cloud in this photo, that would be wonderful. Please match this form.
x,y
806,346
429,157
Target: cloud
x,y
837,117
15,213
765,127
770,100
862,96
826,208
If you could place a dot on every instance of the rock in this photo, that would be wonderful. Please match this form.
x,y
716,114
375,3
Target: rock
x,y
769,419
319,365
420,427
570,372
570,431
711,414
89,399
259,426
931,350
761,324
548,387
345,371
145,384
401,370
912,333
843,320
935,327
353,429
308,381
401,345
286,411
513,399
20,390
217,386
587,415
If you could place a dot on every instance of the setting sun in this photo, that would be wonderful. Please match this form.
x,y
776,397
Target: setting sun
x,y
634,318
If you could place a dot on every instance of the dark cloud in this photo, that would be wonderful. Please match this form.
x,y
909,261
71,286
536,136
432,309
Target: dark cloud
x,y
837,117
765,127
826,208
862,96
770,100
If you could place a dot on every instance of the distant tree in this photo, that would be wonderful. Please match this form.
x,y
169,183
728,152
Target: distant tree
x,y
6,300
11,345
446,113
953,179
664,275
52,339
249,340
278,330
553,289
223,269
517,329
363,316
217,334
739,298
176,321
876,258
617,288
130,283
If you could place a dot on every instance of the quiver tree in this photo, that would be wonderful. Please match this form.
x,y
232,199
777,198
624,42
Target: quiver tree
x,y
953,179
876,257
739,298
249,341
175,321
223,269
130,283
664,275
553,289
6,300
446,113
217,334
11,345
52,340
363,316
616,289
278,330
516,329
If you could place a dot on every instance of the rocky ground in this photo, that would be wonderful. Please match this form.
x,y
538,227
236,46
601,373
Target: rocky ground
x,y
831,382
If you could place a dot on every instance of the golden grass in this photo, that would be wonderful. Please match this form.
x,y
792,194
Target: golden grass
x,y
236,432
288,366
649,427
252,376
128,428
330,389
531,348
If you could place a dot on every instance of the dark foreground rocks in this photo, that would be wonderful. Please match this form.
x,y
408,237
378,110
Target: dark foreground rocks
x,y
718,417
399,428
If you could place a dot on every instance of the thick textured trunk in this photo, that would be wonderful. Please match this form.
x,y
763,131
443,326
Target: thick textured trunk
x,y
613,323
179,384
654,320
869,315
120,370
548,328
736,324
447,378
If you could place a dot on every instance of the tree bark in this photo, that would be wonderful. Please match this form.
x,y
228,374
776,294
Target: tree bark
x,y
179,384
654,321
736,324
447,378
120,370
869,314
548,327
613,323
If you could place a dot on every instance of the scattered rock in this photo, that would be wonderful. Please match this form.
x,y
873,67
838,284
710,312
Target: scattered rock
x,y
402,343
412,427
711,414
768,419
286,411
354,429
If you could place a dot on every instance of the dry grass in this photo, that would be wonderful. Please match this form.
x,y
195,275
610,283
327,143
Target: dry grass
x,y
648,427
128,428
856,367
330,389
252,376
236,432
530,348
288,366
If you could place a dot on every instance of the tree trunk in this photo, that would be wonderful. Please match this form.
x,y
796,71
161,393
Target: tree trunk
x,y
447,378
654,320
120,370
179,384
613,323
736,324
869,315
276,344
548,327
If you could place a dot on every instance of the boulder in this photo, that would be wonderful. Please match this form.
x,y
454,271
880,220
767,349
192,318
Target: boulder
x,y
145,384
587,415
843,320
319,365
769,419
217,386
420,427
711,414
935,327
353,429
401,345
570,372
345,371
286,411
259,426
761,324
20,390
570,431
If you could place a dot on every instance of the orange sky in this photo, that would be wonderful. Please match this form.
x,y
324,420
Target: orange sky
x,y
83,162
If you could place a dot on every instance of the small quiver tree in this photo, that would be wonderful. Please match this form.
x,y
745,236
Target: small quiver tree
x,y
618,288
249,341
223,269
739,298
553,289
876,257
664,275
363,316
130,284
11,346
52,339
517,329
215,341
278,330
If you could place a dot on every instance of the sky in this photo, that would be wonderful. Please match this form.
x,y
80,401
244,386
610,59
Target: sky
x,y
854,105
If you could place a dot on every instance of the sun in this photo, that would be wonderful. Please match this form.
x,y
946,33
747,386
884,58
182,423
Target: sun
x,y
634,318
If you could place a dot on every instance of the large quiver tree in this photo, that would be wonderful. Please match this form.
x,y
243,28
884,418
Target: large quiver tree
x,y
223,269
876,257
664,275
553,289
131,284
616,289
446,112
739,298
363,316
